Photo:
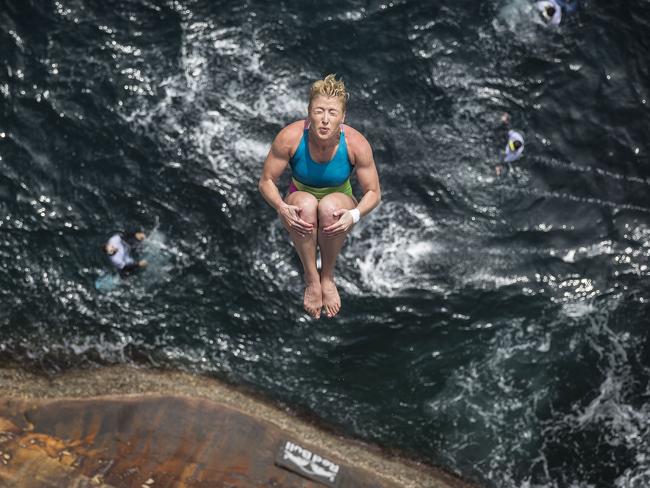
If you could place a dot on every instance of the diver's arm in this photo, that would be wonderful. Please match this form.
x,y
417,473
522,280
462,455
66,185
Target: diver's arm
x,y
366,170
276,162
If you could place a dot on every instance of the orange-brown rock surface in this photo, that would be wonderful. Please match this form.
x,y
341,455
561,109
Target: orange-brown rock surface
x,y
146,441
162,438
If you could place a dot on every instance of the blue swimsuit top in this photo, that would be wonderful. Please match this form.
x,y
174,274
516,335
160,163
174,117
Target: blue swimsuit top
x,y
333,173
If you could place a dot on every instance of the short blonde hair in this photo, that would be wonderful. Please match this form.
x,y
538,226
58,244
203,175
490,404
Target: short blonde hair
x,y
329,87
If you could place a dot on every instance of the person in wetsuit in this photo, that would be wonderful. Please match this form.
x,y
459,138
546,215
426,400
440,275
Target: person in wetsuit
x,y
119,251
514,147
319,209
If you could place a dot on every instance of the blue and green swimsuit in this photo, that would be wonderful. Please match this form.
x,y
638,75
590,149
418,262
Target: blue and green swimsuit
x,y
321,179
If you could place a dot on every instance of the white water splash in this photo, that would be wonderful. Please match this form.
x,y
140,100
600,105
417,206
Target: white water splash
x,y
402,244
209,110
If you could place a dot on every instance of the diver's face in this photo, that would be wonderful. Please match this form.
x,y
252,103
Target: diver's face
x,y
110,249
326,116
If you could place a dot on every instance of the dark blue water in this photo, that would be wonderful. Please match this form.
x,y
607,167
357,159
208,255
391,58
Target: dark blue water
x,y
497,327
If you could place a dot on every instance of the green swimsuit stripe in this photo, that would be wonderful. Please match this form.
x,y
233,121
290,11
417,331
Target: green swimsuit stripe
x,y
319,193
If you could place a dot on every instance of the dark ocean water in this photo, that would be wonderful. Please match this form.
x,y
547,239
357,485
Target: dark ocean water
x,y
497,327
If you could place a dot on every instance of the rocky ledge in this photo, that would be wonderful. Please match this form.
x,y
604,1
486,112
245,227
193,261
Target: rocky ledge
x,y
131,427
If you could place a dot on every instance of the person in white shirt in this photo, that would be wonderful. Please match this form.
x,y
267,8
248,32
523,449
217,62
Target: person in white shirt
x,y
119,251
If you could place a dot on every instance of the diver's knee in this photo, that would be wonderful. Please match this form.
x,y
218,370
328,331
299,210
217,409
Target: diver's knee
x,y
329,205
326,214
308,205
309,212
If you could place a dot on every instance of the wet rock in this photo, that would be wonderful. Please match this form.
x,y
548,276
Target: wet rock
x,y
177,441
172,429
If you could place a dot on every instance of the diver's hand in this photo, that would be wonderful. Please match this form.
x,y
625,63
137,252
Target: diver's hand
x,y
290,216
342,225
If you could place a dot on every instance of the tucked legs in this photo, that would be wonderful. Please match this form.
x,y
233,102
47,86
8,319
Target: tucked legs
x,y
330,247
306,249
320,290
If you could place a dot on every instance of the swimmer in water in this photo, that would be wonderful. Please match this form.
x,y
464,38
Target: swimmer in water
x,y
514,146
118,249
550,12
514,150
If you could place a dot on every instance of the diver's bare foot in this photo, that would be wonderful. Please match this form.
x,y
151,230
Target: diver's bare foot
x,y
313,301
331,298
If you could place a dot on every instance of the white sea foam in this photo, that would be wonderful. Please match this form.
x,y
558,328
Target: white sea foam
x,y
162,259
485,279
520,18
623,424
486,392
109,348
402,245
209,109
578,309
